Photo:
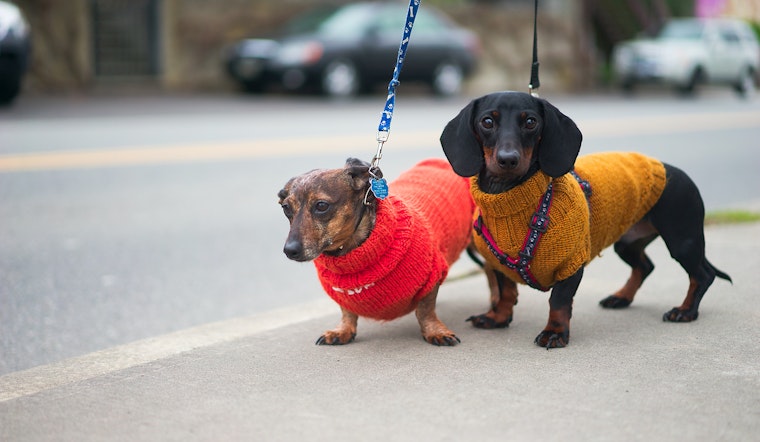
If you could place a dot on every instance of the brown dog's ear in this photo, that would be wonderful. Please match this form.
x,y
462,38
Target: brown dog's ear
x,y
461,146
358,171
560,142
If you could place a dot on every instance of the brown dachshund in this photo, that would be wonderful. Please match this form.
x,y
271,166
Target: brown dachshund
x,y
380,258
544,215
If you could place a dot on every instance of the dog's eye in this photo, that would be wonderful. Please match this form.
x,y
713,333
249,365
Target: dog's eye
x,y
531,123
487,122
287,210
321,207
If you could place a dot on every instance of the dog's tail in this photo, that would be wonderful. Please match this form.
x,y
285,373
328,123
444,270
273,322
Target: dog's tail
x,y
472,252
719,273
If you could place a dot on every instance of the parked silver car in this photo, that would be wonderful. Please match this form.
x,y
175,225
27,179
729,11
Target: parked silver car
x,y
688,52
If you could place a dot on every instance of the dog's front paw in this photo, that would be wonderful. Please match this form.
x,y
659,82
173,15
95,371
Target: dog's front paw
x,y
553,339
486,321
678,315
444,339
334,337
614,302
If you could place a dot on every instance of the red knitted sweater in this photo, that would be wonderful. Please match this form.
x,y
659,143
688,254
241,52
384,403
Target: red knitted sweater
x,y
420,230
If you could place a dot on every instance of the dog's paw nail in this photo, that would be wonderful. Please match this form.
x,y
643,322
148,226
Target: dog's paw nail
x,y
614,302
335,339
486,322
549,339
452,340
443,341
678,315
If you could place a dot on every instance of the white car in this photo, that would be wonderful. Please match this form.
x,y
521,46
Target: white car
x,y
688,52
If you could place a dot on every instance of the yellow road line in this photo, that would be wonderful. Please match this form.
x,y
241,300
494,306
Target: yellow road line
x,y
356,144
202,152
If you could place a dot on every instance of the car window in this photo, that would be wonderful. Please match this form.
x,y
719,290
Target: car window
x,y
746,34
728,35
308,22
682,30
390,21
428,24
348,21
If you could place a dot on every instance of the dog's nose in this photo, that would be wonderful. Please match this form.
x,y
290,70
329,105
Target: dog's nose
x,y
293,249
508,159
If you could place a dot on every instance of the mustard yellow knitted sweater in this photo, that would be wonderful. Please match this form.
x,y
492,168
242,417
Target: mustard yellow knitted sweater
x,y
624,187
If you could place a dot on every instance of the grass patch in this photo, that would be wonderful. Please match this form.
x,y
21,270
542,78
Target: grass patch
x,y
731,217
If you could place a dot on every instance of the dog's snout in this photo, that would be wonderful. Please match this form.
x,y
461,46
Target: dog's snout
x,y
508,159
293,249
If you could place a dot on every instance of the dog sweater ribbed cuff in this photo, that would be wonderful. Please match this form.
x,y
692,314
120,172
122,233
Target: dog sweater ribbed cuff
x,y
386,276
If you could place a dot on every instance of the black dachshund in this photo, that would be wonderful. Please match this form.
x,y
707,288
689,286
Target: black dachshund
x,y
544,215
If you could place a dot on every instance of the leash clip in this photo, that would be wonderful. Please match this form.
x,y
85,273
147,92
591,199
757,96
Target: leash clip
x,y
377,185
382,137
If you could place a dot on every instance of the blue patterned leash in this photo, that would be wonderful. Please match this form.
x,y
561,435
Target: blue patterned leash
x,y
378,185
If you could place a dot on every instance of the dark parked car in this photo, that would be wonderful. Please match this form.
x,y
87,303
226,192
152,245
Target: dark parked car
x,y
342,51
14,51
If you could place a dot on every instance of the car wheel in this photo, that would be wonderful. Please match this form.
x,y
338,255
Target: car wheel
x,y
628,86
10,81
340,79
696,78
745,86
252,86
447,79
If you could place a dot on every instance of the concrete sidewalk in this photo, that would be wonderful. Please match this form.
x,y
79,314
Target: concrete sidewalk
x,y
626,375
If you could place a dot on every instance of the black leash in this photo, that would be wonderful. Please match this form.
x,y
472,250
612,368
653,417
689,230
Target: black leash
x,y
534,83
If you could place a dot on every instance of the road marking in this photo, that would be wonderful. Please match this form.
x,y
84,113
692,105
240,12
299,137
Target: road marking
x,y
284,147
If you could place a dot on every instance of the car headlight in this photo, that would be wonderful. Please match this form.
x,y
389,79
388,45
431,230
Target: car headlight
x,y
623,58
300,53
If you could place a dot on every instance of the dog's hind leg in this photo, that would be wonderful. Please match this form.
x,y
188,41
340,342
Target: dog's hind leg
x,y
503,299
630,248
433,329
679,217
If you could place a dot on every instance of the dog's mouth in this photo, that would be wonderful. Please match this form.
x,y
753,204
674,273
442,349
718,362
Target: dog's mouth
x,y
495,179
490,183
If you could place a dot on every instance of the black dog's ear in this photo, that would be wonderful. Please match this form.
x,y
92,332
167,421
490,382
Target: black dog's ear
x,y
560,142
358,171
461,146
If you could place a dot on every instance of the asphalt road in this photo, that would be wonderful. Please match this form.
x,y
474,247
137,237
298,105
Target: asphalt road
x,y
128,217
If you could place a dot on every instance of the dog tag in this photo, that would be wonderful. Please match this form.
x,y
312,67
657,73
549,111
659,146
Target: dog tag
x,y
379,187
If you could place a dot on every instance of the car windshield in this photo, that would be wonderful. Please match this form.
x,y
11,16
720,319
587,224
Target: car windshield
x,y
682,30
349,20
